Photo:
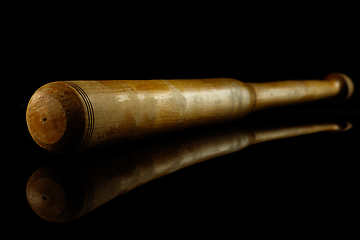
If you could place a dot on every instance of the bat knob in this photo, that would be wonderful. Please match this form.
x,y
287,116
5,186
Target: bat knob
x,y
346,87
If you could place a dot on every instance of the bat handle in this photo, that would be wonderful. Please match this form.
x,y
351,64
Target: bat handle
x,y
336,87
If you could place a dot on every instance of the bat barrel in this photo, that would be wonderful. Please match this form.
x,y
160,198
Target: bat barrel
x,y
76,115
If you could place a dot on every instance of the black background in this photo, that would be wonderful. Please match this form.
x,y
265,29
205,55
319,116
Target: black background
x,y
305,181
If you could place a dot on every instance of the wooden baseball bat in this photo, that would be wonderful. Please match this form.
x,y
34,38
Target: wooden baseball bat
x,y
67,189
71,116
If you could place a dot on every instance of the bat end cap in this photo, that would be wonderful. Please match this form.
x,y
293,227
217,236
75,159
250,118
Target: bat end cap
x,y
46,119
55,118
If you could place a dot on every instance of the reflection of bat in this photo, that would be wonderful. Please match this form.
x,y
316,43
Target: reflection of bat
x,y
66,190
75,115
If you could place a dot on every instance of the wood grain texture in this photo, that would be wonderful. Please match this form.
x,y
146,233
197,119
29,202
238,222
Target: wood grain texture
x,y
65,190
73,116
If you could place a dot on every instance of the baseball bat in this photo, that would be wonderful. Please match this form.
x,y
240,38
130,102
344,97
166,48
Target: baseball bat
x,y
67,189
71,116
